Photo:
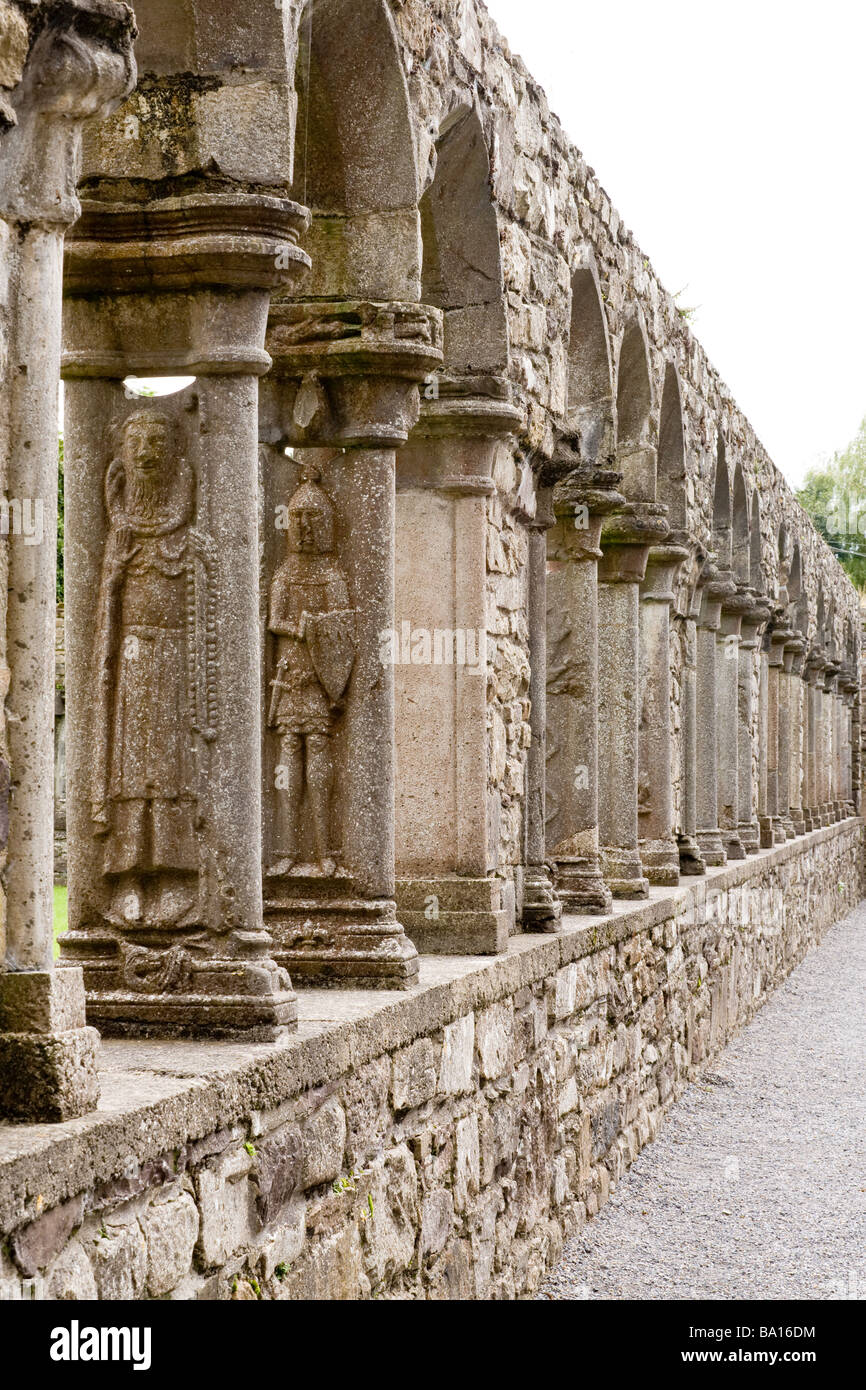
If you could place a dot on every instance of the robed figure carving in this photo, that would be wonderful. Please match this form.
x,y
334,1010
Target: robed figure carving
x,y
152,646
314,625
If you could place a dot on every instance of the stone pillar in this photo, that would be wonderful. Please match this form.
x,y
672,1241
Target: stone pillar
x,y
728,723
765,820
828,806
162,609
753,622
659,851
449,894
715,589
344,395
849,686
626,540
794,678
59,65
786,737
811,668
580,503
542,909
773,832
692,861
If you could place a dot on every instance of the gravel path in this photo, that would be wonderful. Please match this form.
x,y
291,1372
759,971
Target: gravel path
x,y
756,1186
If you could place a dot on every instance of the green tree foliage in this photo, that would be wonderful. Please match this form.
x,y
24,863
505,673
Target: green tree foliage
x,y
834,495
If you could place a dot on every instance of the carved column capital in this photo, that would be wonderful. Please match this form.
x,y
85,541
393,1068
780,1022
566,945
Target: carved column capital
x,y
79,64
346,374
663,566
463,421
626,539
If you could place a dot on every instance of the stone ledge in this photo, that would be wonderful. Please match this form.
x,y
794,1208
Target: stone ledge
x,y
158,1097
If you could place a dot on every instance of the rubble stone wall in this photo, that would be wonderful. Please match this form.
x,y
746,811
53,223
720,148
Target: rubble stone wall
x,y
441,1145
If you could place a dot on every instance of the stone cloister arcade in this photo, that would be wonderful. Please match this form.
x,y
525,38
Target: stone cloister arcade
x,y
452,597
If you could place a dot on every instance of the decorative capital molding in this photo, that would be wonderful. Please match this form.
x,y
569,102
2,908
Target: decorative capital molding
x,y
229,240
79,66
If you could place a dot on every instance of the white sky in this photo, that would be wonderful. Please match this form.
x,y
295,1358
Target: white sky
x,y
731,136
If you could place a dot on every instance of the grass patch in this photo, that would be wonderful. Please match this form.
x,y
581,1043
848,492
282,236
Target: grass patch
x,y
60,917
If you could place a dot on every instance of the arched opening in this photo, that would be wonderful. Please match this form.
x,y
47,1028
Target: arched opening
x,y
755,567
357,175
590,415
462,266
636,458
671,456
740,540
722,509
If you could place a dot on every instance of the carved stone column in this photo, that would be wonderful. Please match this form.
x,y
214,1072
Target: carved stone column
x,y
59,64
794,680
786,737
765,820
728,723
753,622
828,693
449,893
580,501
162,611
849,686
812,668
692,862
659,851
775,640
344,395
626,540
715,589
542,909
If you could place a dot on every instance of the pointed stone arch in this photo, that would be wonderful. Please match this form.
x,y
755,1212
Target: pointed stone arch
x,y
462,263
722,507
740,529
354,163
634,404
590,409
671,453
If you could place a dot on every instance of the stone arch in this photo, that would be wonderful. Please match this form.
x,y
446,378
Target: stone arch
x,y
356,173
634,402
462,263
722,508
755,569
741,555
671,454
590,410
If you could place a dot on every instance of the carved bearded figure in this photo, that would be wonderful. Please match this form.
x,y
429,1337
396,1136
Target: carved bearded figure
x,y
314,625
145,794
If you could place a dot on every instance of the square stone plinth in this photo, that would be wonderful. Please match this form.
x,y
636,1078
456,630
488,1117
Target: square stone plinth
x,y
41,1001
48,1077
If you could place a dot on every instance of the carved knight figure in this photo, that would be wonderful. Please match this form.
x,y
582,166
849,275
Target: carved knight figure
x,y
314,626
145,779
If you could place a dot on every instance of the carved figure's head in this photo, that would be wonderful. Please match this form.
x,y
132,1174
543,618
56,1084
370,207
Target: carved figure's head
x,y
311,516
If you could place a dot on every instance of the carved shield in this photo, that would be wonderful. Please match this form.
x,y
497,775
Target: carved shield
x,y
331,640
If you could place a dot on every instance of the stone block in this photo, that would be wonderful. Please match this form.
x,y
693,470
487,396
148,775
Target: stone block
x,y
414,1075
118,1255
437,1221
229,1221
170,1230
390,1225
34,1246
279,1163
366,1098
48,1078
458,1049
41,1001
467,1165
494,1034
324,1144
71,1278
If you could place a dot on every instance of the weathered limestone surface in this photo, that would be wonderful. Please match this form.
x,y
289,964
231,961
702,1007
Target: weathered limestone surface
x,y
438,1145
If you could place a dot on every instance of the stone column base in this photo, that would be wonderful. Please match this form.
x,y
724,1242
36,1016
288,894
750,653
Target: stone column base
x,y
661,862
153,989
542,909
580,886
733,845
780,829
798,820
692,862
750,836
623,872
326,936
454,916
711,847
47,1054
768,832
